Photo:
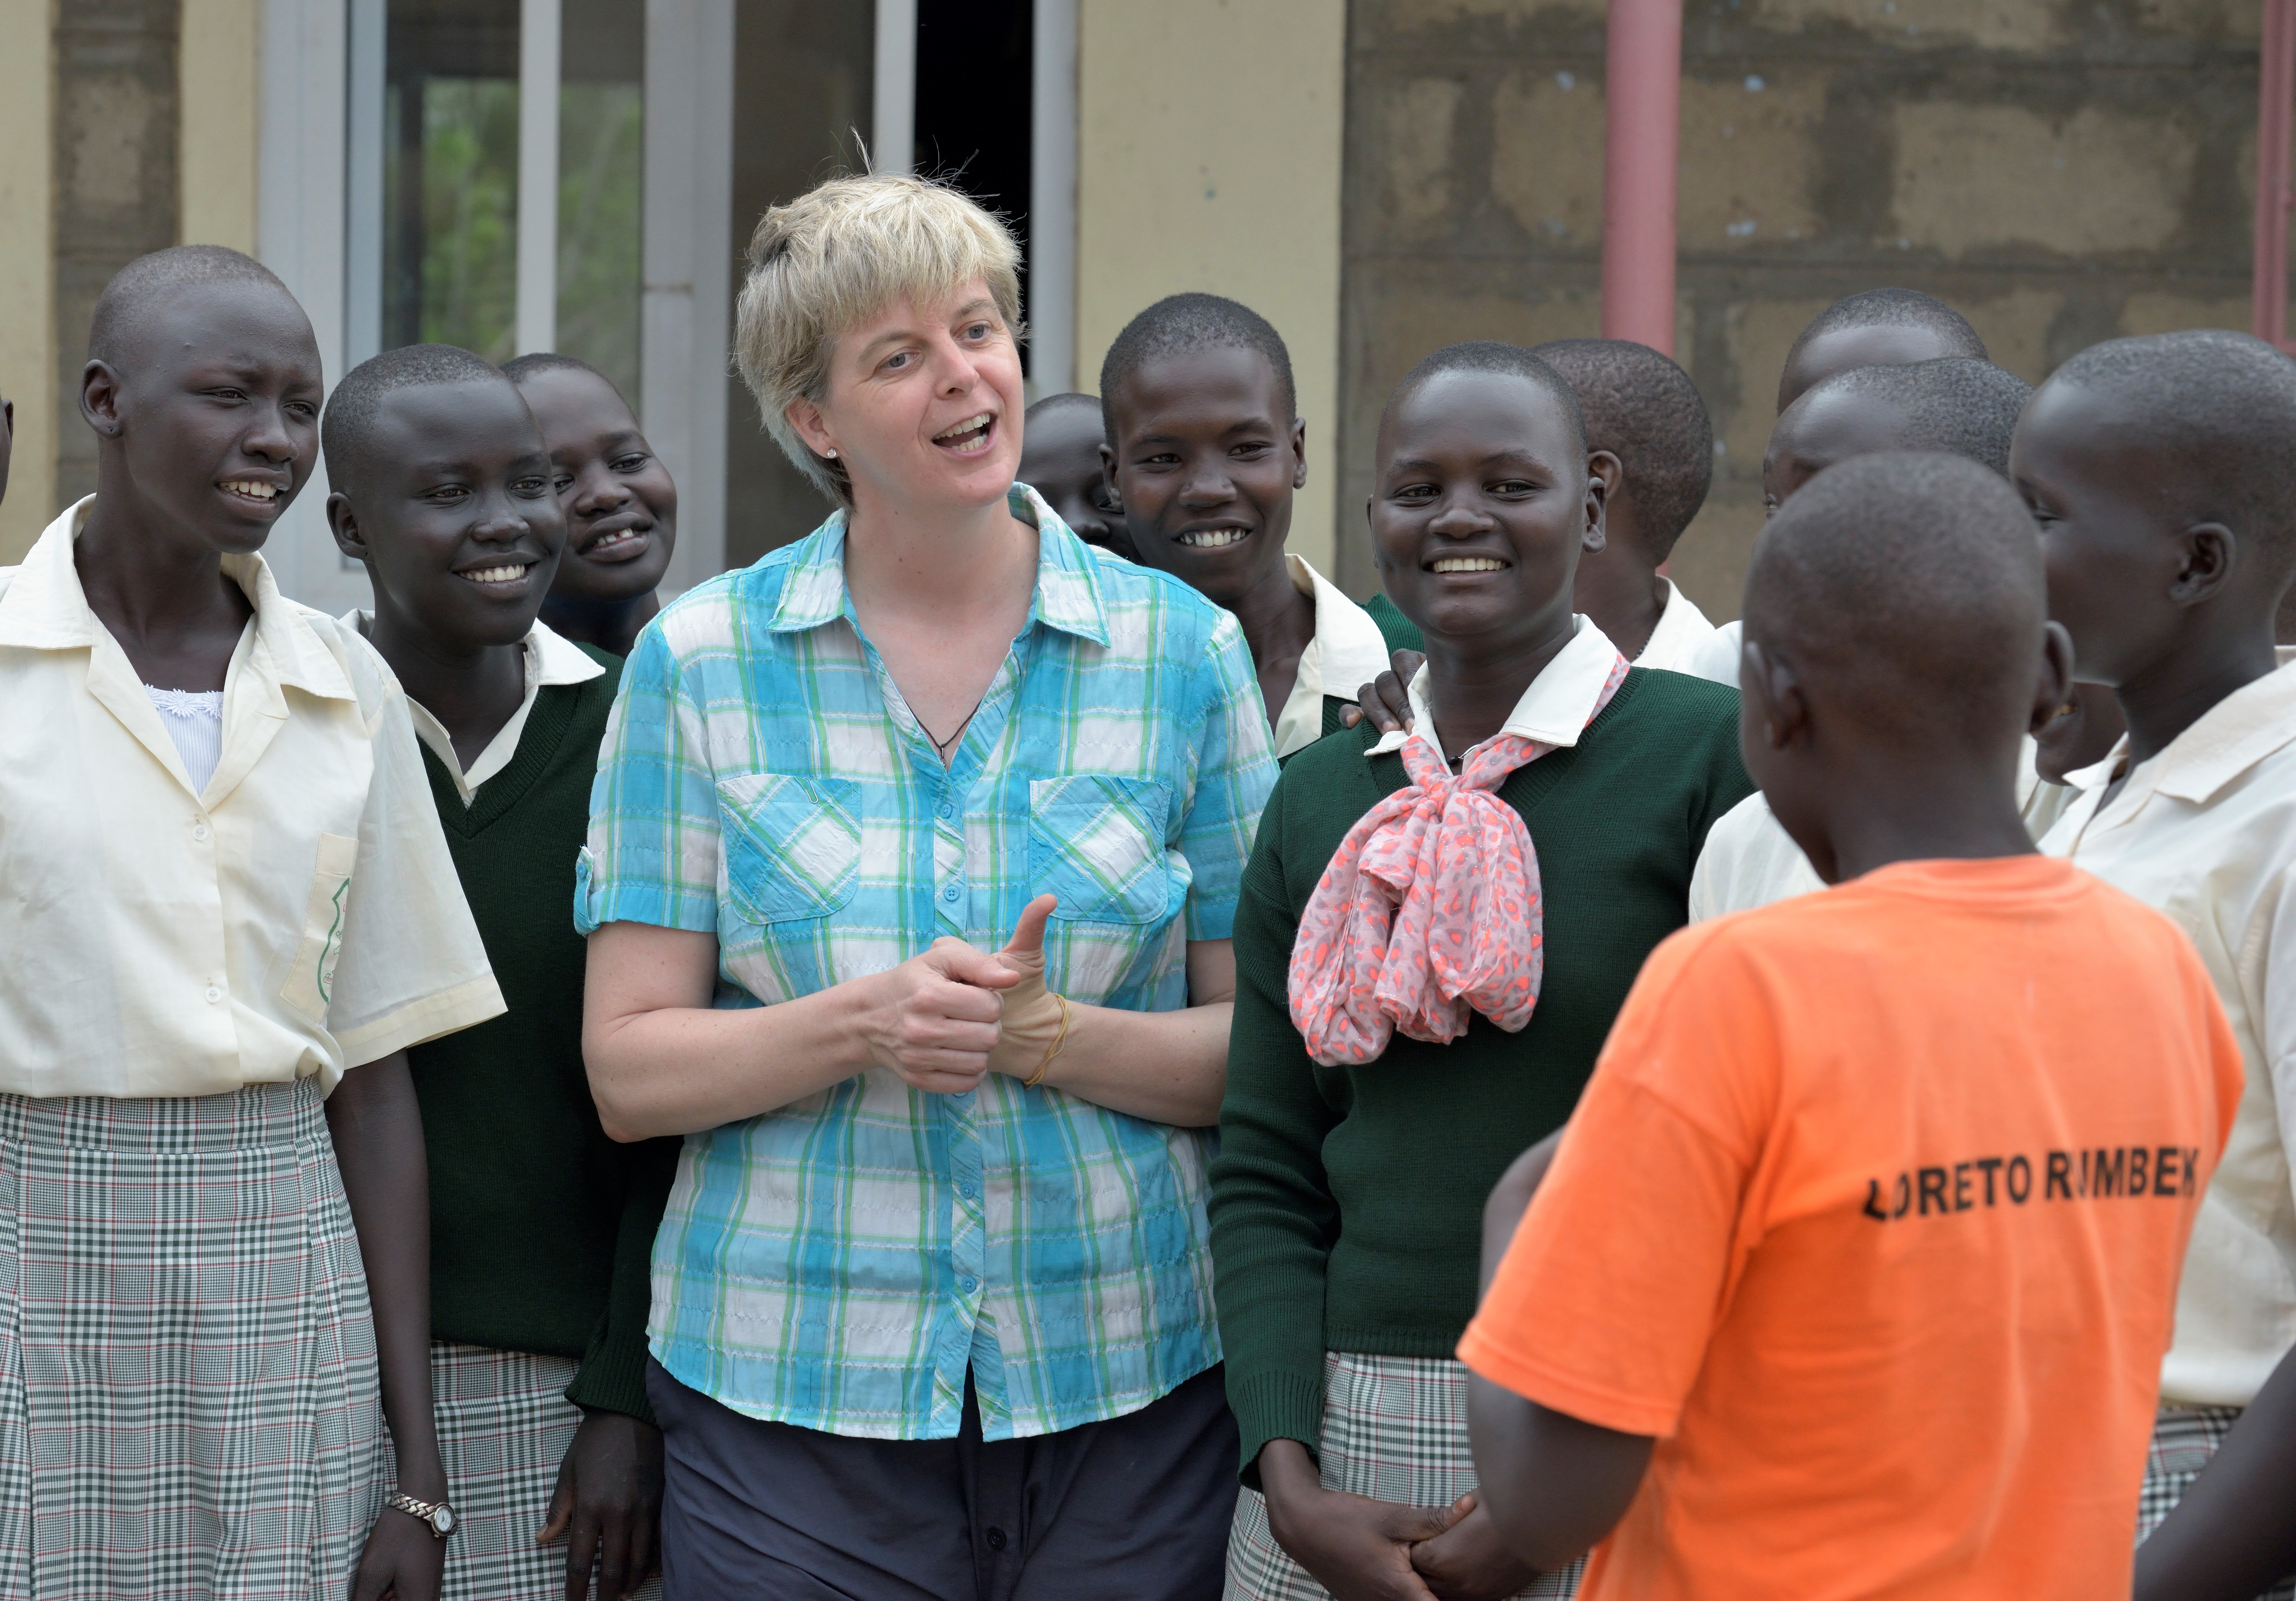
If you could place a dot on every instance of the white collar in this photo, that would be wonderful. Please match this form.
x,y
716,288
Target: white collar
x,y
1680,629
1554,710
551,658
1346,653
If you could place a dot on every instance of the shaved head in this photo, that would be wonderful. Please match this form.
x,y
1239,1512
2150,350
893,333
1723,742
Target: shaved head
x,y
1876,327
358,399
2220,411
1643,409
149,280
1907,587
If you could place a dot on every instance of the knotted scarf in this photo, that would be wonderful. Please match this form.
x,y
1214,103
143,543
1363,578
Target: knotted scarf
x,y
1430,908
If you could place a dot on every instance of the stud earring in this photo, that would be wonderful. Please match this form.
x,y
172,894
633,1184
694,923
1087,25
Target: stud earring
x,y
832,453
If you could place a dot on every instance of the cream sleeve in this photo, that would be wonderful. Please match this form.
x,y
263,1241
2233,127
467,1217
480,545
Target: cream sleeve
x,y
411,966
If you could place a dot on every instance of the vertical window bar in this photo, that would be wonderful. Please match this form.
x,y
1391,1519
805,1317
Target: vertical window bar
x,y
1051,198
894,146
363,219
537,174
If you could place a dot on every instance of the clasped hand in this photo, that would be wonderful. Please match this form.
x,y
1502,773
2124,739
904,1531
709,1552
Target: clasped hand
x,y
946,1019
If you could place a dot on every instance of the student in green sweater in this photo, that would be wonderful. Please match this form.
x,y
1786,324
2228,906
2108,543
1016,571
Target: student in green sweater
x,y
1436,929
541,1227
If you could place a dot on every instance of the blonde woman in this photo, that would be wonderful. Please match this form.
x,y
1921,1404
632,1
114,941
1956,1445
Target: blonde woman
x,y
932,1308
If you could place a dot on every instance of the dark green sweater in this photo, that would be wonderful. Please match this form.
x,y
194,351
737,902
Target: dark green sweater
x,y
541,1227
1399,631
1346,1201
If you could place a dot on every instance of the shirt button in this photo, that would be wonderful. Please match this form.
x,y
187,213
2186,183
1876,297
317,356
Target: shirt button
x,y
966,1189
946,811
214,995
199,831
966,1284
951,893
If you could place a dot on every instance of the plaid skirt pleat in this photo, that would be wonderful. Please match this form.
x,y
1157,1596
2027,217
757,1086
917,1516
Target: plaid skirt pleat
x,y
1395,1429
188,1398
2184,1439
504,1426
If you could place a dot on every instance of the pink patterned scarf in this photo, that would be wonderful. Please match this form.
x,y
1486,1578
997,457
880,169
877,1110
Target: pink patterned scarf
x,y
1429,907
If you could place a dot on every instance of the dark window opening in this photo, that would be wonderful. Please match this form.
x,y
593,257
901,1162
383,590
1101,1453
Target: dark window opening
x,y
975,102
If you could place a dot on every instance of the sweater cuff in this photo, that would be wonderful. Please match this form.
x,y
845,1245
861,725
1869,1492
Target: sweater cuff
x,y
1275,1406
613,1379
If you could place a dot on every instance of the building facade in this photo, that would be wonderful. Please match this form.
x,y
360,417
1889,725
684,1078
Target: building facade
x,y
1377,176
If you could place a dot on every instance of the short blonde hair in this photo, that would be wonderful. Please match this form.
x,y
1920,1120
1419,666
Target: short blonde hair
x,y
834,258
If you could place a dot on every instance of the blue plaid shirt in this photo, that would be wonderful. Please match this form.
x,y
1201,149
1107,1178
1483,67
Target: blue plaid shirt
x,y
840,1262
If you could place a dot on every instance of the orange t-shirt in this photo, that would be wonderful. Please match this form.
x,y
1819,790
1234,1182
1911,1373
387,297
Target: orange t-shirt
x,y
1873,1213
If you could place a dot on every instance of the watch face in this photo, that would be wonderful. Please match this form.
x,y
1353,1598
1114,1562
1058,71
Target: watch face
x,y
442,1519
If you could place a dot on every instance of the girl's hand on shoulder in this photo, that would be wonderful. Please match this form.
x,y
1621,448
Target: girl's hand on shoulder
x,y
402,1559
1357,1548
607,1505
1386,700
1468,1561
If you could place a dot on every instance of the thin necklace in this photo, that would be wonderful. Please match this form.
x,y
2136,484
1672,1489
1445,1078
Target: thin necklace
x,y
940,746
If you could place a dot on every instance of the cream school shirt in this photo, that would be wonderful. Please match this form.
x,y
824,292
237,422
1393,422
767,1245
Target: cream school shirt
x,y
1684,642
1348,652
298,915
1750,860
551,658
2206,833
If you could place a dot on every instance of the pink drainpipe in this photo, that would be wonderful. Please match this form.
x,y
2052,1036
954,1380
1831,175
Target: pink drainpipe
x,y
1643,94
2276,87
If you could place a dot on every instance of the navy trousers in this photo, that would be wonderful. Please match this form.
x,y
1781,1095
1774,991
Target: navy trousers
x,y
1134,1509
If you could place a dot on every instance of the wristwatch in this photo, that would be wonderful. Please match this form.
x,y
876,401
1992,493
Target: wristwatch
x,y
437,1515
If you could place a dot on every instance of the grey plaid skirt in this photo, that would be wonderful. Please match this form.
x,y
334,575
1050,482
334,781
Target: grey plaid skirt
x,y
188,1400
1395,1428
2184,1439
504,1426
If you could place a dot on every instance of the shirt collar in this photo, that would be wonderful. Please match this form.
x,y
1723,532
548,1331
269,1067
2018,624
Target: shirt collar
x,y
549,658
1346,653
2252,723
1554,710
1680,626
1067,585
44,608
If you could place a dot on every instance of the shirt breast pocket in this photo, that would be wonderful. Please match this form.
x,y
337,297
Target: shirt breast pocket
x,y
792,847
1097,841
311,976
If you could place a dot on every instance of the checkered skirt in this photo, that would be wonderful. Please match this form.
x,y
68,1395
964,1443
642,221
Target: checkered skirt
x,y
2184,1439
504,1426
188,1398
1395,1428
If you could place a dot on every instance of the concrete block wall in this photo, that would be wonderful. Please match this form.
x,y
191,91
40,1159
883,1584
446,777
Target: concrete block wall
x,y
2062,171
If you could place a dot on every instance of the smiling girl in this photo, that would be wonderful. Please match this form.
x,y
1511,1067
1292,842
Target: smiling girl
x,y
230,912
932,1296
1434,934
619,501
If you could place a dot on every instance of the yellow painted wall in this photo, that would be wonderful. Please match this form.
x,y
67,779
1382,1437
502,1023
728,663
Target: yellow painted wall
x,y
1208,145
28,357
219,65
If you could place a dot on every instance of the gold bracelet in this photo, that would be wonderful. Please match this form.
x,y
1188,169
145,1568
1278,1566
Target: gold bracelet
x,y
1058,1039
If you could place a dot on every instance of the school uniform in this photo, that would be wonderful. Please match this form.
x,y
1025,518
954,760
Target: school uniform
x,y
1346,1200
541,1227
189,1403
2206,831
1750,860
1713,655
1351,647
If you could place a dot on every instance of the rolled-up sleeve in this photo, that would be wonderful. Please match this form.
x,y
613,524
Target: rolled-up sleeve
x,y
1235,770
653,848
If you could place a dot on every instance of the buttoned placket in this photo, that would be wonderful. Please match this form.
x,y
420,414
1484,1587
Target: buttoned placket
x,y
948,785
